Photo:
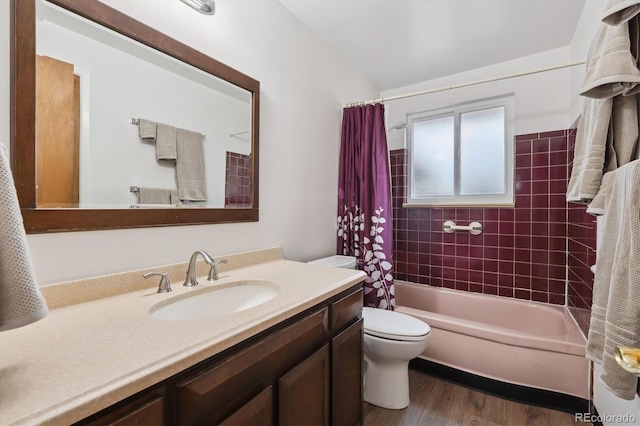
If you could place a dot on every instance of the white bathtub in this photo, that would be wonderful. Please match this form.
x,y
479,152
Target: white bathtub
x,y
520,342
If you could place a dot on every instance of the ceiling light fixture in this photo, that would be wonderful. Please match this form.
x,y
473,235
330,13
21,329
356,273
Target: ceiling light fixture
x,y
208,7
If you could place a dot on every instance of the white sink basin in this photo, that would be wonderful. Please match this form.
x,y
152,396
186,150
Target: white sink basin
x,y
209,302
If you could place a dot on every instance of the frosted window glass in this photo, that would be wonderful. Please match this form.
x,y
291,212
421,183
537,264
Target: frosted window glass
x,y
432,167
482,165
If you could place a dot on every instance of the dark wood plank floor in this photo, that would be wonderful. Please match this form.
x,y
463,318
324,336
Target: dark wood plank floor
x,y
437,402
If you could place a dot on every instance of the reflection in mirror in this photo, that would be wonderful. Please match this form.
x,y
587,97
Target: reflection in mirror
x,y
119,124
91,155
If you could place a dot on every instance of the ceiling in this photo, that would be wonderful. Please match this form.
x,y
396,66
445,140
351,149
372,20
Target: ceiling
x,y
395,43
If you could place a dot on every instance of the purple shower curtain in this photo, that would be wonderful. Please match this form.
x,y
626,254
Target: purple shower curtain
x,y
364,201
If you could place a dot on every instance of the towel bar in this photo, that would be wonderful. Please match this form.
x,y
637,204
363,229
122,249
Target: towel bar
x,y
136,121
134,189
474,228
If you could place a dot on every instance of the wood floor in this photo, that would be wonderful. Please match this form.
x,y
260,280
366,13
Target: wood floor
x,y
436,402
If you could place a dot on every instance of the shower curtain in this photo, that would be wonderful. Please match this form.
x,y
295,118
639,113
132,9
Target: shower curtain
x,y
364,201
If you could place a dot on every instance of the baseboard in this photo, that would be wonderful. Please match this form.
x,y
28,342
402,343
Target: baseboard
x,y
532,396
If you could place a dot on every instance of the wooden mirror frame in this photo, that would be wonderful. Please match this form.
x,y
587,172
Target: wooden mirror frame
x,y
23,131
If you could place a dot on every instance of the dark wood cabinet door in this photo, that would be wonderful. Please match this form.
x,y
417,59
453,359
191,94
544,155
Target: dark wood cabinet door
x,y
212,394
145,411
257,412
347,358
303,393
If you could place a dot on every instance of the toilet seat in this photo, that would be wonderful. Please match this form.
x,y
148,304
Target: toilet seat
x,y
394,325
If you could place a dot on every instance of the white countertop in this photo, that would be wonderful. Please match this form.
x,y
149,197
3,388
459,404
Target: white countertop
x,y
87,356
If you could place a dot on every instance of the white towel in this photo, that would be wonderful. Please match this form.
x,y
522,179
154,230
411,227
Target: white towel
x,y
596,206
611,68
190,173
622,139
146,129
155,195
590,148
166,143
21,302
620,11
163,135
615,314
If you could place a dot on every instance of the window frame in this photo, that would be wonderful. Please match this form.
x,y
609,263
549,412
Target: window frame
x,y
458,200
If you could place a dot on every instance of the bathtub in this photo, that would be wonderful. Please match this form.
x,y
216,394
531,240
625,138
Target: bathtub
x,y
513,341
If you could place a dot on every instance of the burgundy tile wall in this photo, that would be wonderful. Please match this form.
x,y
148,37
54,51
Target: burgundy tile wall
x,y
581,237
237,189
522,252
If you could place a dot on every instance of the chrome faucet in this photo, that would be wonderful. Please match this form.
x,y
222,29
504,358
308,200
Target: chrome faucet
x,y
213,272
190,281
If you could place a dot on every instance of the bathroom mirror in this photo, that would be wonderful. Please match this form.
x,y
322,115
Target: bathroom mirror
x,y
149,76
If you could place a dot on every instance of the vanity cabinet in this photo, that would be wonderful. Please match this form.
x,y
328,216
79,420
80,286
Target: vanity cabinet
x,y
306,370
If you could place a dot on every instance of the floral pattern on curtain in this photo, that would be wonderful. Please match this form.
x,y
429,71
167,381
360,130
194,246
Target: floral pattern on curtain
x,y
364,201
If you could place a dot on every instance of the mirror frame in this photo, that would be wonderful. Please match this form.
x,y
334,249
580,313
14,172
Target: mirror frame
x,y
23,102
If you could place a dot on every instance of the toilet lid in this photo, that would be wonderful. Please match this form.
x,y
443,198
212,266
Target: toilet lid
x,y
393,325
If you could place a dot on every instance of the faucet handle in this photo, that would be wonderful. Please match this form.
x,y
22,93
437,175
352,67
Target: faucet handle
x,y
165,285
213,272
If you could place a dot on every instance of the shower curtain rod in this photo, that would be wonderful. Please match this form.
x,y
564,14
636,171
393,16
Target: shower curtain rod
x,y
457,86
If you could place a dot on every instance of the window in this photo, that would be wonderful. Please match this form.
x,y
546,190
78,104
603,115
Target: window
x,y
462,155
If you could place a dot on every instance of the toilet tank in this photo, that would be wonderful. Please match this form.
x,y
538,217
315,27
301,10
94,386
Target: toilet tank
x,y
337,261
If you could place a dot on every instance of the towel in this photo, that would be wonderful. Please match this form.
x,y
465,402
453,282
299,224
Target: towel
x,y
146,129
622,139
21,302
620,11
190,174
611,68
596,206
590,148
163,135
156,195
634,38
166,143
615,314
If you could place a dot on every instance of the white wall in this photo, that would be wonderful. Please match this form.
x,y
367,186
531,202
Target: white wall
x,y
541,100
303,88
121,86
582,37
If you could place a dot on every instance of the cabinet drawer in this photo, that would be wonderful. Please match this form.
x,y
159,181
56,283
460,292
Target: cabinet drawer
x,y
214,393
345,310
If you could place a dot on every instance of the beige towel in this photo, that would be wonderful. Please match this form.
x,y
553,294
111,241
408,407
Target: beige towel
x,y
634,38
596,206
615,314
155,195
622,139
146,129
590,148
190,174
620,11
166,143
21,302
611,68
163,135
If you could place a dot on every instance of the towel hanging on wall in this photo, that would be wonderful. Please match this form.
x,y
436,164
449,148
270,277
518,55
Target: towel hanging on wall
x,y
615,314
620,11
21,302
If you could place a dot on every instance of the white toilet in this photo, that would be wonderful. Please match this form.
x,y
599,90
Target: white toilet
x,y
391,340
